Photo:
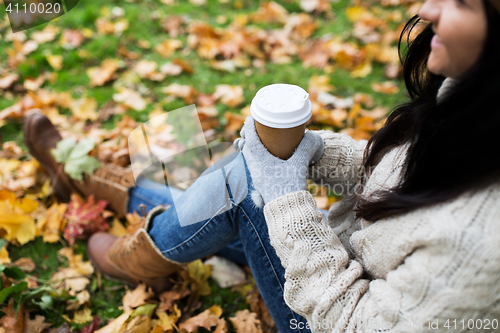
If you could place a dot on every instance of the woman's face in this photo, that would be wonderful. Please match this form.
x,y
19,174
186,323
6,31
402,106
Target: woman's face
x,y
460,28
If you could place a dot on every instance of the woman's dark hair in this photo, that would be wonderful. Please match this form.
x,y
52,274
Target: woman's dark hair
x,y
454,146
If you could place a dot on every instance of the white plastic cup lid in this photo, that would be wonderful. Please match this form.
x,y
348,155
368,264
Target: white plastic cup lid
x,y
281,106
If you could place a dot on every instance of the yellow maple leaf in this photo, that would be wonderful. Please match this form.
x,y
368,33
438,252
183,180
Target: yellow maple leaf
x,y
117,228
4,256
14,218
84,108
167,321
55,61
81,317
200,274
52,224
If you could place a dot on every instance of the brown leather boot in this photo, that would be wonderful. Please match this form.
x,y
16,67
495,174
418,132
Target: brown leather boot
x,y
109,182
133,258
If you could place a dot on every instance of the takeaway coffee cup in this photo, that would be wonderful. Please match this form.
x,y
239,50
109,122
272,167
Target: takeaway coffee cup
x,y
280,112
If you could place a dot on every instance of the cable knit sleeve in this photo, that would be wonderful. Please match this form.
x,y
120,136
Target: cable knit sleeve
x,y
341,165
435,279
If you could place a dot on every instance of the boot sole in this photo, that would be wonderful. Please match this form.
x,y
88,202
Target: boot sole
x,y
62,191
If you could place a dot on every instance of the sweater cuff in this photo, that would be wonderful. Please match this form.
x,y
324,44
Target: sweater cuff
x,y
283,207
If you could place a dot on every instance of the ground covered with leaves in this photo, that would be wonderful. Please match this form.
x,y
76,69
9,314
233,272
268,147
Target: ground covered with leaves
x,y
100,71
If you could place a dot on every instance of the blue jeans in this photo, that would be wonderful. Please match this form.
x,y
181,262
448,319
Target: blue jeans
x,y
239,233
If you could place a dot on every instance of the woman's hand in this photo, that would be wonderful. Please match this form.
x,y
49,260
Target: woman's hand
x,y
272,176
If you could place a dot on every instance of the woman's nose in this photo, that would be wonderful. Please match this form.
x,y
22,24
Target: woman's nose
x,y
429,11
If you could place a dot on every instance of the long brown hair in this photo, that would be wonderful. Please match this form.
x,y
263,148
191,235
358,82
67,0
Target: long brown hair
x,y
454,145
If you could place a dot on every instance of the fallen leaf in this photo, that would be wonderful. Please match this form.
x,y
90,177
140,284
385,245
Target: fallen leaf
x,y
74,278
81,298
100,75
225,272
14,218
117,229
246,321
83,316
168,298
388,88
84,218
167,321
84,108
7,80
320,83
71,39
52,224
75,157
168,47
230,95
25,264
221,326
12,321
200,274
206,319
115,326
186,92
55,61
36,325
137,297
130,99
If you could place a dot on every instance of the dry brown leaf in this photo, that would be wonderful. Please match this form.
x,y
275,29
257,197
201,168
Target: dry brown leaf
x,y
206,319
71,39
25,264
232,96
115,326
221,326
269,12
12,322
167,321
246,322
130,99
46,35
388,88
168,298
75,277
171,69
234,122
100,75
138,324
34,83
36,325
7,80
137,297
168,47
186,92
84,109
145,68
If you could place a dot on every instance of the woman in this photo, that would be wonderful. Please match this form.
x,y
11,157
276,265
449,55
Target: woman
x,y
415,250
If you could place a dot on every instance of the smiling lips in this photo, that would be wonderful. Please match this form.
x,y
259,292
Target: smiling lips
x,y
436,42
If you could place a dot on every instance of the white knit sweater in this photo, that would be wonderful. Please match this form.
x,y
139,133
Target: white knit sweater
x,y
435,269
